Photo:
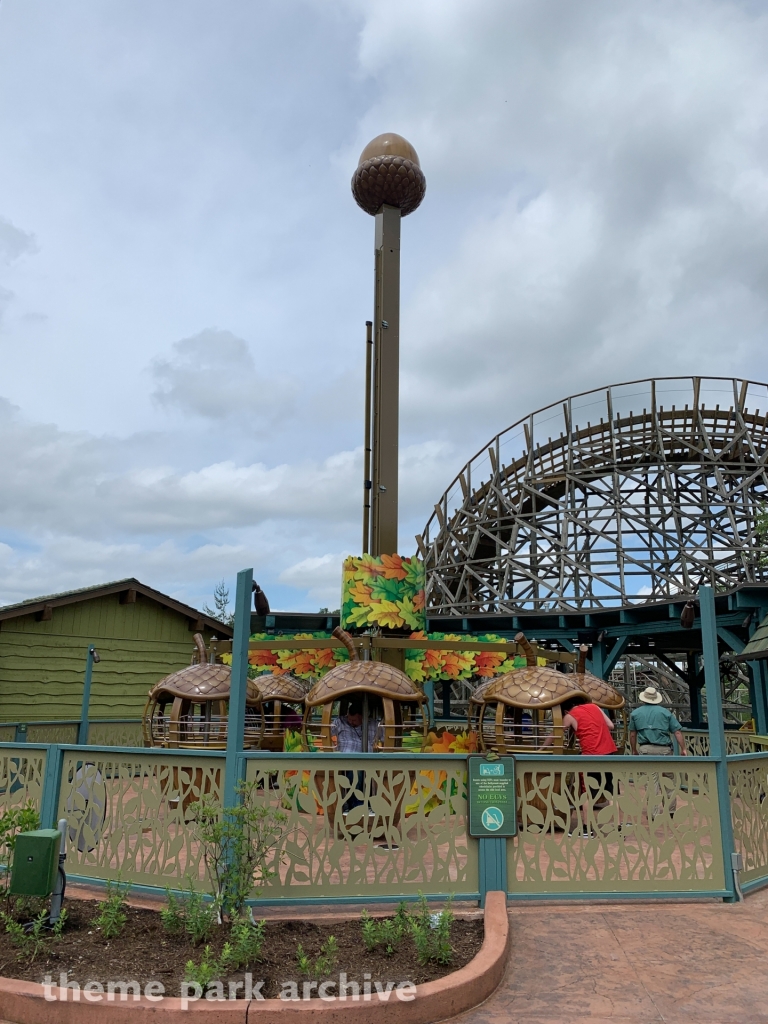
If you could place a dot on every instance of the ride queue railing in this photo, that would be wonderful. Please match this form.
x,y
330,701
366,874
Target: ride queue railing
x,y
386,826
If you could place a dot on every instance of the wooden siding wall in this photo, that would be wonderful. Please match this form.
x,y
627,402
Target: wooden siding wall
x,y
42,664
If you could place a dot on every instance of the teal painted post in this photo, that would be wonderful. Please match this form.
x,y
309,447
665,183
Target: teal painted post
x,y
82,733
238,685
759,675
493,866
49,798
597,654
717,747
429,690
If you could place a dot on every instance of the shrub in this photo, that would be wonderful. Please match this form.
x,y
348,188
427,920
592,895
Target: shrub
x,y
388,932
192,913
236,843
31,939
19,819
112,911
322,966
205,972
246,939
432,933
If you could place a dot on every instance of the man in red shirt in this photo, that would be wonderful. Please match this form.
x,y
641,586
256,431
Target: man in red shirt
x,y
593,729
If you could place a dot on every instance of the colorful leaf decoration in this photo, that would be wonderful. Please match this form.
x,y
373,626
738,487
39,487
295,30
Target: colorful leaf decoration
x,y
385,592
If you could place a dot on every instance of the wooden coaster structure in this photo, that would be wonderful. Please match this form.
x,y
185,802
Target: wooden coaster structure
x,y
282,708
384,692
189,708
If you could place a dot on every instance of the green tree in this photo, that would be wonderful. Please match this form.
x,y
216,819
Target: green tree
x,y
220,609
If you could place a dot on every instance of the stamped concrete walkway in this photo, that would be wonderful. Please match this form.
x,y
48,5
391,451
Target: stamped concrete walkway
x,y
677,963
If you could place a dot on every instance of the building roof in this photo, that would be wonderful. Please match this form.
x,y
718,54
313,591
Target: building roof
x,y
127,589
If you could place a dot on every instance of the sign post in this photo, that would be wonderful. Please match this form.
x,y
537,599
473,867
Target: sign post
x,y
492,816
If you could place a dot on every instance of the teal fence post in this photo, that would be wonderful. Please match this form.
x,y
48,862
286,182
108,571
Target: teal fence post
x,y
493,866
717,748
429,691
759,675
238,685
90,658
49,799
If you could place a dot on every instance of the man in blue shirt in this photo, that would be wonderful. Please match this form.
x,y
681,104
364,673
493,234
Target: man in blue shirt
x,y
651,728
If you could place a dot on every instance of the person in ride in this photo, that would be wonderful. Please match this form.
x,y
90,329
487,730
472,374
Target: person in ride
x,y
593,729
591,725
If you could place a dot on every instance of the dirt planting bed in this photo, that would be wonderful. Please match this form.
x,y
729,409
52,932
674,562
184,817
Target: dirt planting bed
x,y
145,952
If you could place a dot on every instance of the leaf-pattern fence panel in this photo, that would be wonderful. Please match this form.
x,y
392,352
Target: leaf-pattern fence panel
x,y
21,777
52,732
697,743
659,829
7,733
368,827
115,734
739,742
748,784
129,813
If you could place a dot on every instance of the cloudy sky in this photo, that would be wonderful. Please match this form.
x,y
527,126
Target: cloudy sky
x,y
184,276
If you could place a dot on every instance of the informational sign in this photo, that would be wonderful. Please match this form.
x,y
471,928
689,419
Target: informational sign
x,y
492,810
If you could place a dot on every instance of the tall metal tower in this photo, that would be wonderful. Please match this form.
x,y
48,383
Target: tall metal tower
x,y
388,184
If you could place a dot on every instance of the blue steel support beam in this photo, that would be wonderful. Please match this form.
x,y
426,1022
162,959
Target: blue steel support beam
x,y
238,684
717,747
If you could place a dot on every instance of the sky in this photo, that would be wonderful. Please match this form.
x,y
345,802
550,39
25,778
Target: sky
x,y
185,277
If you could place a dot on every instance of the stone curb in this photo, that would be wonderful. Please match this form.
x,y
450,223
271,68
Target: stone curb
x,y
23,1002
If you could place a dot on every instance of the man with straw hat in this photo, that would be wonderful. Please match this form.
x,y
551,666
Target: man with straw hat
x,y
651,728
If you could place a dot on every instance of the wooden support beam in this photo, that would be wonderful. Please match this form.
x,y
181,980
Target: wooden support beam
x,y
128,597
46,614
196,625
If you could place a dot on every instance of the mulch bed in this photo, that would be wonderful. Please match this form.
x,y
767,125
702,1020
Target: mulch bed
x,y
144,952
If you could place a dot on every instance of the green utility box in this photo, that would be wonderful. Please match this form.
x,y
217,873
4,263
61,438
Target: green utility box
x,y
35,862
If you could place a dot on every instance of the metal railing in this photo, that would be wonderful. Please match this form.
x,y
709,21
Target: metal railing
x,y
385,826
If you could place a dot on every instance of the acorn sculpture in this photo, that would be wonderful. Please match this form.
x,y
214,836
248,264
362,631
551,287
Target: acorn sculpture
x,y
282,708
383,691
535,690
189,708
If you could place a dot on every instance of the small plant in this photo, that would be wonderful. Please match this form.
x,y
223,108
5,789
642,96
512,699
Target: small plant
x,y
324,963
172,914
191,913
246,938
236,844
432,933
205,972
31,939
388,933
20,819
200,915
112,913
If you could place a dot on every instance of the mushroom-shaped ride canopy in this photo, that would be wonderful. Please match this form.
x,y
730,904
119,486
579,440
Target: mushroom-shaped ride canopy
x,y
282,708
189,708
383,692
522,708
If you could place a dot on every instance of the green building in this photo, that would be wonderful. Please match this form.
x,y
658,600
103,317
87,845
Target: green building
x,y
140,634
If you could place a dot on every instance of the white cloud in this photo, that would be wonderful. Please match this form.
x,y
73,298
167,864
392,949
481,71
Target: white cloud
x,y
319,576
597,210
213,375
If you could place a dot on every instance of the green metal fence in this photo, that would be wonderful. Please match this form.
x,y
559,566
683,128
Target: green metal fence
x,y
385,826
381,826
748,784
103,732
646,826
22,773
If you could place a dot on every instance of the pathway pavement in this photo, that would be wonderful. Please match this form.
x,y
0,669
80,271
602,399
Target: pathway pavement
x,y
676,963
